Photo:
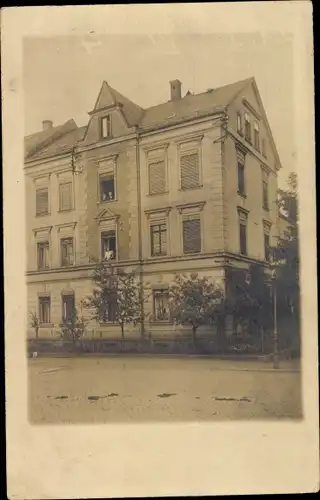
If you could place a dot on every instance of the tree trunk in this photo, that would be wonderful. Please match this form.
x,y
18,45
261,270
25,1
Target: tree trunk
x,y
194,332
37,332
122,337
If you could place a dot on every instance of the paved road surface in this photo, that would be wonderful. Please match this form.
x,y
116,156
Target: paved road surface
x,y
117,389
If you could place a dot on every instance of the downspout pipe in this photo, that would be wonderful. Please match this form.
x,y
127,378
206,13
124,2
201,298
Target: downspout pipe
x,y
142,325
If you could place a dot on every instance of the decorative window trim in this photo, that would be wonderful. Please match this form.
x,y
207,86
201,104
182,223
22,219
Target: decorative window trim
x,y
243,214
66,225
195,138
195,207
158,212
266,226
155,146
46,229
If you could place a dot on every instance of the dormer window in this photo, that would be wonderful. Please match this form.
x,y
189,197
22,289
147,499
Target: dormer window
x,y
106,126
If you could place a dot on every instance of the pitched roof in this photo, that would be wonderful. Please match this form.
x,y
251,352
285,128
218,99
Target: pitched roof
x,y
191,105
35,143
63,144
108,96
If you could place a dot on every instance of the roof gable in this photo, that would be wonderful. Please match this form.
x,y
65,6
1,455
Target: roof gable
x,y
252,83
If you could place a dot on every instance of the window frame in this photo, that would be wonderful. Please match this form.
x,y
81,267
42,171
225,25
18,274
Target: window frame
x,y
256,137
265,189
103,232
61,184
152,161
243,225
239,124
41,301
43,244
109,126
241,166
247,128
64,299
62,242
156,292
100,180
188,218
38,190
189,152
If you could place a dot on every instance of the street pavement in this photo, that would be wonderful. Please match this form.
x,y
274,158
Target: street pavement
x,y
142,389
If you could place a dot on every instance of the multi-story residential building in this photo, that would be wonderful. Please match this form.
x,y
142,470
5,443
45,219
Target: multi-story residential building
x,y
189,185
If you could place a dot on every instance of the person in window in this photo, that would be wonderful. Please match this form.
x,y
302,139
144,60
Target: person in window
x,y
110,195
109,255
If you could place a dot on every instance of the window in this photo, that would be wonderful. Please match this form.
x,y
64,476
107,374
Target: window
x,y
67,258
241,184
267,253
161,305
239,123
44,310
42,203
157,177
247,125
43,255
263,145
265,194
108,245
243,218
110,312
106,126
190,171
65,196
191,234
68,307
243,238
256,136
107,185
158,239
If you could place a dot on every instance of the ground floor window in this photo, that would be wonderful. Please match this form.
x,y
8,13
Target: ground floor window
x,y
110,313
68,307
44,310
161,305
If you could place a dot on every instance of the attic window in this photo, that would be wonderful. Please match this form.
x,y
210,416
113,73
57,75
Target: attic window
x,y
106,126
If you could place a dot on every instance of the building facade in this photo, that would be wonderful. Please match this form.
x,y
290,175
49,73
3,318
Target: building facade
x,y
187,186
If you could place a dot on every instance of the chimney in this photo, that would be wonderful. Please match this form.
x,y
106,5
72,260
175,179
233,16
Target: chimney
x,y
47,124
175,90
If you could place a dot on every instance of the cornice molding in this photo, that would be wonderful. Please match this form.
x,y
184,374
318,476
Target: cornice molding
x,y
66,225
199,205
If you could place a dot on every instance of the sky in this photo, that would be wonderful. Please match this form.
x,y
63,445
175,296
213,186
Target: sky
x,y
63,75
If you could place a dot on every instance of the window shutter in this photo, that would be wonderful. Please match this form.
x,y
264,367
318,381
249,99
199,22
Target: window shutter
x,y
191,235
190,175
41,201
65,196
157,180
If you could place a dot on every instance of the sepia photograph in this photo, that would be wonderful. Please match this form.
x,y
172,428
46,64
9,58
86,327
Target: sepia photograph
x,y
160,250
162,229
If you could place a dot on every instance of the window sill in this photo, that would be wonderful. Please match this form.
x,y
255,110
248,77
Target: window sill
x,y
67,266
266,209
46,325
43,269
192,253
66,210
158,194
240,133
243,254
43,215
158,255
243,195
191,188
102,202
